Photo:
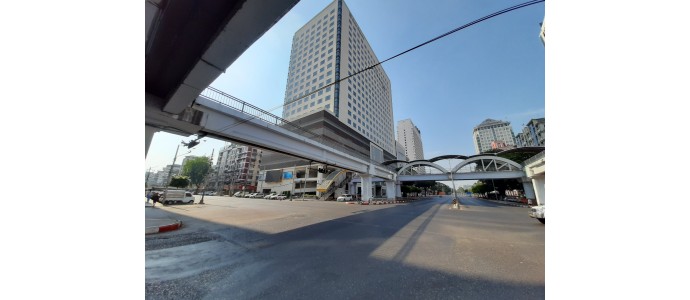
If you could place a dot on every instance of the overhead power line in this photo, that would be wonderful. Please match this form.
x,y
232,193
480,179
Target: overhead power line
x,y
500,12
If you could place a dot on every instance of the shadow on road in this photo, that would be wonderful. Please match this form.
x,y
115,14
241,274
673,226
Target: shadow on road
x,y
332,259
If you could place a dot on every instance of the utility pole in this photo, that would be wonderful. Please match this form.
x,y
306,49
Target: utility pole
x,y
171,167
148,173
294,176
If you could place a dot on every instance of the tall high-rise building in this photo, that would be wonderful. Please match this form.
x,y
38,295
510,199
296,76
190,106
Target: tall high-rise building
x,y
329,47
410,138
491,131
533,134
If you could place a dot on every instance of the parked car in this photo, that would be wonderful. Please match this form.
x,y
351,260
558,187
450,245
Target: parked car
x,y
258,195
269,196
344,198
280,197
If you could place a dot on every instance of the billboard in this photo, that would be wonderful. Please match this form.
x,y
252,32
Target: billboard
x,y
273,176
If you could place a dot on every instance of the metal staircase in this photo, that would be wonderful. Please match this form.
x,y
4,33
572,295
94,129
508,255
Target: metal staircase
x,y
331,183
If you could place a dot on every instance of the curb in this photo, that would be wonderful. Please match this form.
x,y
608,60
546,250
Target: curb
x,y
509,203
170,227
382,202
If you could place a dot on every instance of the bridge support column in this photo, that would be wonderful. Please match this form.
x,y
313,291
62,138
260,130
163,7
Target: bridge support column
x,y
398,191
539,183
366,186
319,179
390,190
529,189
149,136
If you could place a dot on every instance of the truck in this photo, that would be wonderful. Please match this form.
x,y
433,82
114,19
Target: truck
x,y
177,197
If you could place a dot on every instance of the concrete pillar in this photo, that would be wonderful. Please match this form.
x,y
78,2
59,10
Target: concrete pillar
x,y
529,189
398,191
390,189
366,186
539,188
306,176
149,131
319,179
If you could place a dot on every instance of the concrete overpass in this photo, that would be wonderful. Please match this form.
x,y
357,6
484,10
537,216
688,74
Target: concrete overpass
x,y
236,120
188,45
535,169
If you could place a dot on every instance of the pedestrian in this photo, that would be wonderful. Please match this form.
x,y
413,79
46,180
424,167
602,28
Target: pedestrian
x,y
148,196
155,197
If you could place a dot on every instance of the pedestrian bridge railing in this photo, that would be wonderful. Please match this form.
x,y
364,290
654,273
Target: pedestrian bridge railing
x,y
235,103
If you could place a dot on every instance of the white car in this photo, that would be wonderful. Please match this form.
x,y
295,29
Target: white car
x,y
280,197
269,196
344,198
537,212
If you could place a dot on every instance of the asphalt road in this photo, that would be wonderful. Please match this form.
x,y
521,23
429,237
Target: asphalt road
x,y
233,248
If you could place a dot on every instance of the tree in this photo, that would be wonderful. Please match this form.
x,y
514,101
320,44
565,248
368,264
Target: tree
x,y
179,181
425,185
480,188
197,169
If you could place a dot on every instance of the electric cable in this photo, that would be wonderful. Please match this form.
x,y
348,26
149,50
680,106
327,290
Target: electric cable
x,y
500,12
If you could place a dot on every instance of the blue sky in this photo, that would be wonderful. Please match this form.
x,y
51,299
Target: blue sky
x,y
494,69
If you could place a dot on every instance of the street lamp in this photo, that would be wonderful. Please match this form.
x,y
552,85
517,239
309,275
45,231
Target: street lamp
x,y
450,170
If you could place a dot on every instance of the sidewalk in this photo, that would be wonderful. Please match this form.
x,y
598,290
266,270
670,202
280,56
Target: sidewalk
x,y
157,220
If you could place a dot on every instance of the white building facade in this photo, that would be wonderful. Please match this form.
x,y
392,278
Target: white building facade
x,y
330,47
533,134
237,168
491,131
410,137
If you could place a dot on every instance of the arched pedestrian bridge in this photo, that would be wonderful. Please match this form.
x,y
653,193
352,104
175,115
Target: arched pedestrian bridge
x,y
475,167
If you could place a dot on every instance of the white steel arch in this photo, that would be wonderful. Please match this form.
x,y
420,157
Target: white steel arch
x,y
505,164
425,163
